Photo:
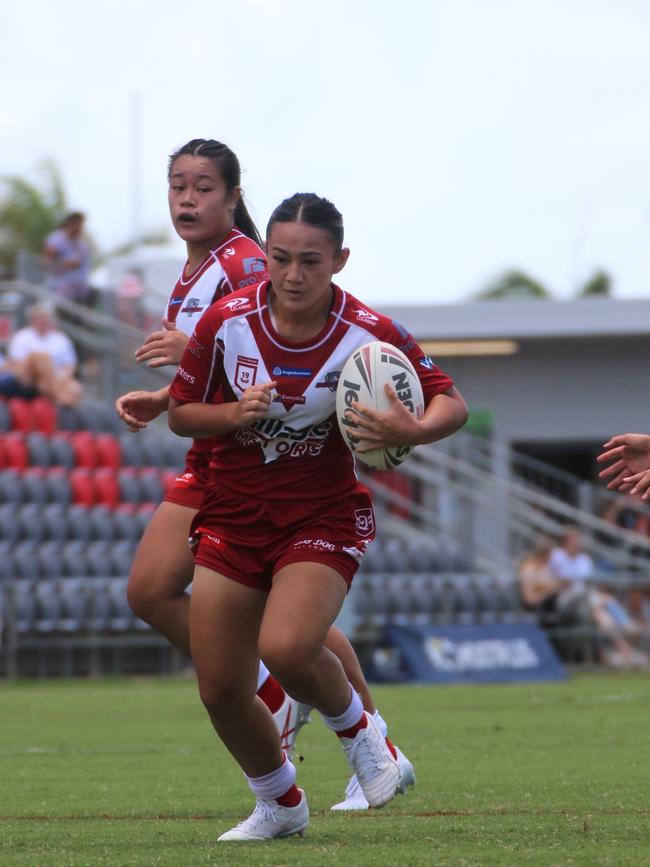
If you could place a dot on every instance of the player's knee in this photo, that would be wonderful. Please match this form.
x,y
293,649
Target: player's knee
x,y
286,654
143,597
221,699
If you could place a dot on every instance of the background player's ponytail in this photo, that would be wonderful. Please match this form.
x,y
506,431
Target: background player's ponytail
x,y
313,210
229,169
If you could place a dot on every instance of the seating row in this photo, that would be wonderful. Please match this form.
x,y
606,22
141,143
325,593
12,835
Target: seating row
x,y
41,415
85,486
62,523
33,561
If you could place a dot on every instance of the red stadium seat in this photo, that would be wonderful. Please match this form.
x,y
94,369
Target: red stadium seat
x,y
168,478
107,488
21,415
85,454
109,453
14,454
44,416
83,486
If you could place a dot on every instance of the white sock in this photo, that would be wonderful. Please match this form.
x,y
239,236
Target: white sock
x,y
349,717
381,723
262,675
275,784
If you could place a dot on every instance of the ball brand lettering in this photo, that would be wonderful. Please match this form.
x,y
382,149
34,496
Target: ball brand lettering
x,y
352,392
403,390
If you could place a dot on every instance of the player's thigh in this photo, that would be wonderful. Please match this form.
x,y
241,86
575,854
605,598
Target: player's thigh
x,y
163,564
225,618
304,601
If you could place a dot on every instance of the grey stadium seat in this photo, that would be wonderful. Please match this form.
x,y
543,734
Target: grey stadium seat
x,y
26,560
55,521
74,604
100,519
9,525
74,559
50,558
30,520
48,606
11,487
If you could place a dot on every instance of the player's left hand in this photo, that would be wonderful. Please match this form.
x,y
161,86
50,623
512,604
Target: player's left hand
x,y
164,347
397,426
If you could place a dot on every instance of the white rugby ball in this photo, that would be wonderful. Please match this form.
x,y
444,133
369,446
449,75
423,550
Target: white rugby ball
x,y
362,379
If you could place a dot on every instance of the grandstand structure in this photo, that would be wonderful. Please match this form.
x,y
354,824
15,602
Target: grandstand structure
x,y
77,489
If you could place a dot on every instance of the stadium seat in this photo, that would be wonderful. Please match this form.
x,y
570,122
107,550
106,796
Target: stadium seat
x,y
122,618
50,559
14,453
12,489
7,572
131,450
68,419
44,416
175,450
122,558
5,417
464,604
35,485
24,606
83,445
26,560
54,517
74,604
30,521
48,606
74,560
62,452
108,451
129,485
10,528
100,520
107,488
98,561
144,514
154,453
126,523
39,450
151,488
21,415
98,611
83,486
57,482
78,524
373,559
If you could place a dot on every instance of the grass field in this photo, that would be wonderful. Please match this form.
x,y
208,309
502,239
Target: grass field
x,y
127,772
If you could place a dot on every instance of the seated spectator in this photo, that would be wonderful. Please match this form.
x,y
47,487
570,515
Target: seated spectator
x,y
66,256
538,587
578,600
41,361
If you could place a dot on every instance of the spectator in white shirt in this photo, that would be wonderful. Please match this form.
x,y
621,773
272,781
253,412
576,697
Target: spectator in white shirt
x,y
42,360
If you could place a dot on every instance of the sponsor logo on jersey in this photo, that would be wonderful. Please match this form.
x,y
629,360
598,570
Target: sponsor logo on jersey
x,y
184,479
186,376
331,380
237,304
365,522
192,307
291,371
277,439
254,265
315,545
245,372
427,362
215,540
228,252
366,317
194,347
289,400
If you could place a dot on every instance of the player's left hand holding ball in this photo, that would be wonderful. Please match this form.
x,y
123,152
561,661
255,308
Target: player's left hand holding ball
x,y
397,426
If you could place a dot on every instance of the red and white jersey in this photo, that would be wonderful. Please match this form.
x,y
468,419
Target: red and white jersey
x,y
297,449
237,262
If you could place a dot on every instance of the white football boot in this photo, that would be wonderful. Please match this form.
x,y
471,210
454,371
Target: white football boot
x,y
356,800
270,820
373,764
289,719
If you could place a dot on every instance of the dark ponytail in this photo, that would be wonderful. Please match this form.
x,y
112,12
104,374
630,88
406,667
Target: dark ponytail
x,y
229,169
313,210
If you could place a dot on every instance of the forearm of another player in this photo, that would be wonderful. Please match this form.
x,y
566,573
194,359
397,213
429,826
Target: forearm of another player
x,y
445,414
199,420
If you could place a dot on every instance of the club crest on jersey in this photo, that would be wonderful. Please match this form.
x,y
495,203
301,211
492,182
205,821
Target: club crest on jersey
x,y
237,304
366,317
331,380
245,372
365,522
192,306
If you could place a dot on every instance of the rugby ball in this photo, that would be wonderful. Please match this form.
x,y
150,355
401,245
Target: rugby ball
x,y
362,379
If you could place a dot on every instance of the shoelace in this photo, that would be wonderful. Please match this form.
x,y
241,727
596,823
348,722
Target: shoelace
x,y
262,813
371,757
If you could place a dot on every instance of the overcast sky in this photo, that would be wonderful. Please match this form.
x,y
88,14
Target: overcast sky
x,y
458,137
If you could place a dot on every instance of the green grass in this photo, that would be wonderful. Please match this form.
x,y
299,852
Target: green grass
x,y
127,772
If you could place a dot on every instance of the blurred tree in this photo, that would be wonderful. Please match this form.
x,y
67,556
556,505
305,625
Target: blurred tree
x,y
598,285
28,213
513,285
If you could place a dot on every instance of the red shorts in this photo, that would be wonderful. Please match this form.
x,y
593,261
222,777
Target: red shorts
x,y
189,488
251,540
